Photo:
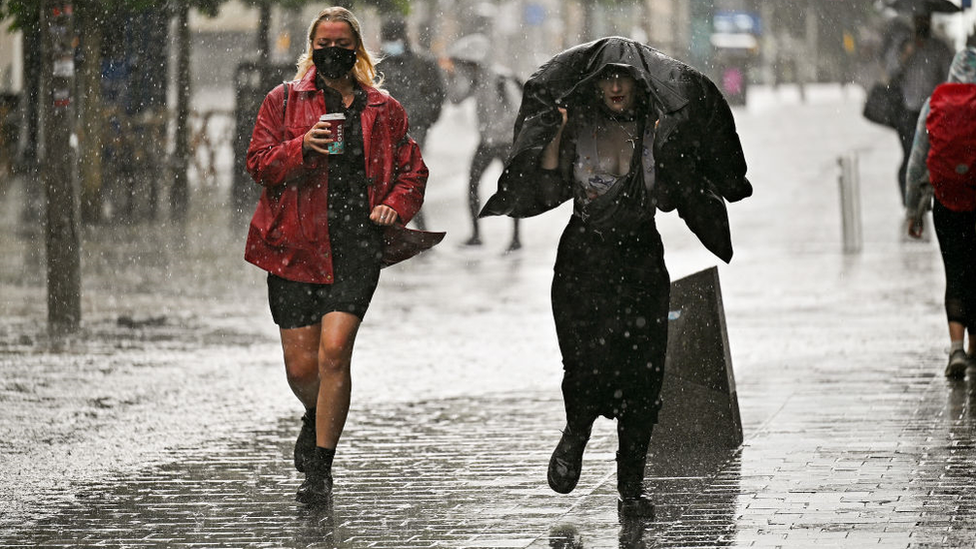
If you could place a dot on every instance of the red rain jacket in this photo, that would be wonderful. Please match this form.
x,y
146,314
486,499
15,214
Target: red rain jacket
x,y
289,235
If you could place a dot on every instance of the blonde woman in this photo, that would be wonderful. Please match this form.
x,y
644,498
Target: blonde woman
x,y
319,224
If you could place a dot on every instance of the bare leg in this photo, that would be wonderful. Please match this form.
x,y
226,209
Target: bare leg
x,y
957,332
334,366
516,242
300,348
479,163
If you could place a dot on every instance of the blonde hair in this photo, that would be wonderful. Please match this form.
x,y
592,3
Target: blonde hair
x,y
365,69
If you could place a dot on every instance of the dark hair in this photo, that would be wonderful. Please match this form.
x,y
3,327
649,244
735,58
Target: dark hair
x,y
594,105
394,28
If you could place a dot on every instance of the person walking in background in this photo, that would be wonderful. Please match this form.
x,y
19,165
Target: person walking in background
x,y
319,225
497,94
942,164
621,130
918,62
415,79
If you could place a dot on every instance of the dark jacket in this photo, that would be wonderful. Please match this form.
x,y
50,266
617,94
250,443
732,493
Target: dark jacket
x,y
415,80
289,235
699,162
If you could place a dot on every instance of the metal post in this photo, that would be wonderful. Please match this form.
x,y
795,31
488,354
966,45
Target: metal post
x,y
850,202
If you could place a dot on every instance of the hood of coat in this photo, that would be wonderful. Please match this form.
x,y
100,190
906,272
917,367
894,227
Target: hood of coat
x,y
568,77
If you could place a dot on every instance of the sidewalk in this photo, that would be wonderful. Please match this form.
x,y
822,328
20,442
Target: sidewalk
x,y
168,423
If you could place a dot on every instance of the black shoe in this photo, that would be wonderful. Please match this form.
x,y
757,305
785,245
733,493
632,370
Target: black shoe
x,y
305,444
317,487
566,462
515,245
635,507
473,241
315,491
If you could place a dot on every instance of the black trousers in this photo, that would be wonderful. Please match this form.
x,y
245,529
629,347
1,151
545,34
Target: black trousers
x,y
906,136
484,155
956,232
610,297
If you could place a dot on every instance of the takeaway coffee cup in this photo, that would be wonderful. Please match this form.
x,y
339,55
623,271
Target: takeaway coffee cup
x,y
337,120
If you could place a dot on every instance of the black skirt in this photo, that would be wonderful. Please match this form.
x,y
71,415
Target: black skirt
x,y
610,297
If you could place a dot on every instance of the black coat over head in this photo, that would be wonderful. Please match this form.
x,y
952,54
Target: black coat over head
x,y
699,163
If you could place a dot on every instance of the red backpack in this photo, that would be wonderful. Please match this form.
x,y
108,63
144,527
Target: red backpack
x,y
951,125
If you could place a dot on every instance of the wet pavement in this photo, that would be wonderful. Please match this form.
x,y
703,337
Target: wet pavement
x,y
167,421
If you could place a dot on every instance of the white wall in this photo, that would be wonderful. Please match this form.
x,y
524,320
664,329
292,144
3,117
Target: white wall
x,y
11,60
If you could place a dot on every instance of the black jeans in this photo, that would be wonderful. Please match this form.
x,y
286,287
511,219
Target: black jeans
x,y
484,155
906,135
956,232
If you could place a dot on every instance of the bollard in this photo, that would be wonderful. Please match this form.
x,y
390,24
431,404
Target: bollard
x,y
850,202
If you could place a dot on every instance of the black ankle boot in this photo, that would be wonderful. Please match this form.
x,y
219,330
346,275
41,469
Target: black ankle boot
x,y
633,502
317,487
566,462
305,444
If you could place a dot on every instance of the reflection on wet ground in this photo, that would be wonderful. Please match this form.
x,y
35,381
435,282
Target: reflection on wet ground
x,y
459,475
470,475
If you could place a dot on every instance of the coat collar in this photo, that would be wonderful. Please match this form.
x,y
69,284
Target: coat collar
x,y
306,83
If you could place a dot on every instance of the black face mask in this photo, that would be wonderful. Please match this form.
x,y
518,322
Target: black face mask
x,y
333,62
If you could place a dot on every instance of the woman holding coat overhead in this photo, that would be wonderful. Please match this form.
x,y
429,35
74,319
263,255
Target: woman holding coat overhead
x,y
621,130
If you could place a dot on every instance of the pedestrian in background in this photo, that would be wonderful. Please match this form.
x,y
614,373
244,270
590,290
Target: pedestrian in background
x,y
497,95
918,63
319,224
415,79
942,163
621,130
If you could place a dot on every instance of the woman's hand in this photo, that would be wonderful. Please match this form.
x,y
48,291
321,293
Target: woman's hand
x,y
317,138
446,64
565,114
550,154
383,215
916,227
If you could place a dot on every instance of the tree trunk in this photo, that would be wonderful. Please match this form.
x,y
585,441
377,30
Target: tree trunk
x,y
589,21
58,171
180,192
90,24
28,161
264,31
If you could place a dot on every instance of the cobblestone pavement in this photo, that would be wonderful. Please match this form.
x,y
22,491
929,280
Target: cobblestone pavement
x,y
167,422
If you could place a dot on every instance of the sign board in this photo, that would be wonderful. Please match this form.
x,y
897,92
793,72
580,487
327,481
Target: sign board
x,y
701,407
534,14
737,22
